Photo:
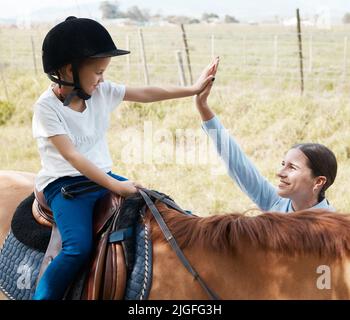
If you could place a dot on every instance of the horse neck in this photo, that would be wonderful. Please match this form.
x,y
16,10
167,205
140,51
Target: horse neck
x,y
257,273
246,273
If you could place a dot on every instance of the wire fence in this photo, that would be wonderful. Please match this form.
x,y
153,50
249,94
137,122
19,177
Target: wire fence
x,y
269,56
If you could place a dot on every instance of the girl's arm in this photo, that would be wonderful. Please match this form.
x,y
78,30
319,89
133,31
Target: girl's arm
x,y
152,94
88,169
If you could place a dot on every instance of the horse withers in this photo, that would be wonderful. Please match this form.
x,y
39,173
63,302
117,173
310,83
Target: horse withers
x,y
302,255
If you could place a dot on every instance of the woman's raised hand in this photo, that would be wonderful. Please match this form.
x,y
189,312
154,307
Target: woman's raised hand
x,y
206,76
201,97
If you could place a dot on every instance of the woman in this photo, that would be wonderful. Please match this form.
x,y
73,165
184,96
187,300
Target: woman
x,y
308,169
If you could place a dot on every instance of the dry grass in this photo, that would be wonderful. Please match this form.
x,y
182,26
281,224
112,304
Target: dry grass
x,y
266,115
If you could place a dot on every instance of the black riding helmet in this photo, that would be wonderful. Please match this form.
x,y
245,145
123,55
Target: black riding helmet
x,y
71,41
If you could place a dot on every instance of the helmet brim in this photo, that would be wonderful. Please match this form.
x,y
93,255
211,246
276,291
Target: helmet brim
x,y
112,53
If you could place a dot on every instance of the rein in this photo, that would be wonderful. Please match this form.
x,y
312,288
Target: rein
x,y
169,237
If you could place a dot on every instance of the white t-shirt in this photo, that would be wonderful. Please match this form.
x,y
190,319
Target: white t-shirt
x,y
87,130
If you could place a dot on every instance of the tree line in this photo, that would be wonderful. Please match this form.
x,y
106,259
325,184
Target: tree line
x,y
346,18
111,10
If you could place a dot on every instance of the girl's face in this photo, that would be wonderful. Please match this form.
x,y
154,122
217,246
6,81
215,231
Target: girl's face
x,y
91,73
296,179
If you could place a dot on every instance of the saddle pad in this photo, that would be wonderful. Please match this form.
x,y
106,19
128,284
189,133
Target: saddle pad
x,y
20,264
140,279
19,269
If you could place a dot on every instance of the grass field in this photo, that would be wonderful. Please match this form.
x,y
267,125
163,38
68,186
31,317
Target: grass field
x,y
256,95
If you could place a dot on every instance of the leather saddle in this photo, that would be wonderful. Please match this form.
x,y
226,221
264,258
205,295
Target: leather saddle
x,y
108,270
107,273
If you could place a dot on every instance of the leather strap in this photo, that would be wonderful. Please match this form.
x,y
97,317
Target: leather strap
x,y
165,200
169,237
70,191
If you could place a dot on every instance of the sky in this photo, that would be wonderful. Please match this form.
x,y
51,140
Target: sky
x,y
241,9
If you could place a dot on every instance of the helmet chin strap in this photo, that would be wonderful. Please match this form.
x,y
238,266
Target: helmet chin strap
x,y
77,90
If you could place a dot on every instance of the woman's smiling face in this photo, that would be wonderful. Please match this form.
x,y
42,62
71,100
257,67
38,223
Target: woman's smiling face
x,y
296,178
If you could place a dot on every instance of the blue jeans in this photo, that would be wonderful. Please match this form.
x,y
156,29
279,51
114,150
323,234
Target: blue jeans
x,y
73,218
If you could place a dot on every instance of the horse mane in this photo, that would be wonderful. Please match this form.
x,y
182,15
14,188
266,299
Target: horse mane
x,y
320,232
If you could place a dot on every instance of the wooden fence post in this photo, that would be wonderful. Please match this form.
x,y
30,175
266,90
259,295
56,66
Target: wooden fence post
x,y
300,53
184,37
4,83
127,47
275,60
143,57
244,50
345,57
180,65
33,54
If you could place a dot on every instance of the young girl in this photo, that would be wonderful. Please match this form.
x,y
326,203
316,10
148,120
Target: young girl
x,y
70,122
307,171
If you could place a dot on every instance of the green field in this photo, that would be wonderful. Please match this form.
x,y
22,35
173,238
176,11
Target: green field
x,y
256,95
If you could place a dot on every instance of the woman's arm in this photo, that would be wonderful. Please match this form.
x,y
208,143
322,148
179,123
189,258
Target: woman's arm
x,y
203,108
238,165
152,94
66,148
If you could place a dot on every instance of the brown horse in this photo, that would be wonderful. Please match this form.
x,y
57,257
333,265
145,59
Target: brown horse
x,y
302,255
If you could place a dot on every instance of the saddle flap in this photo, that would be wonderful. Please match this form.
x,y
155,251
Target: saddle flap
x,y
115,273
93,283
105,208
108,271
121,275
